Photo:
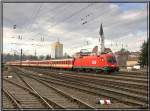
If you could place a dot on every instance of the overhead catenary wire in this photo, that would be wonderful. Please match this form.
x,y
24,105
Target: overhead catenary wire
x,y
73,14
53,9
55,24
70,16
25,22
35,16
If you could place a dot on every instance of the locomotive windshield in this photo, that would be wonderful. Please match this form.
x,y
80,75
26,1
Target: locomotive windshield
x,y
111,60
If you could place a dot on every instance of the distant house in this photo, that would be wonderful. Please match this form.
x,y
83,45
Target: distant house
x,y
133,58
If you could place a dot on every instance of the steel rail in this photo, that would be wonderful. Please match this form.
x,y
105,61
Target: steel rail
x,y
32,92
112,77
102,82
122,73
62,93
104,77
74,81
97,92
28,85
107,79
122,87
117,97
12,98
117,75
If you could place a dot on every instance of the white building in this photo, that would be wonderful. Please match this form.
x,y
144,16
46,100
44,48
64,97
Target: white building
x,y
56,50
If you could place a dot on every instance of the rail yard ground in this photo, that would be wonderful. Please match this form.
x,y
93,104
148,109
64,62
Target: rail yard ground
x,y
26,87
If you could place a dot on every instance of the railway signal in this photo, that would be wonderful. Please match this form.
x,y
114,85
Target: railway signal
x,y
103,101
42,38
20,57
20,37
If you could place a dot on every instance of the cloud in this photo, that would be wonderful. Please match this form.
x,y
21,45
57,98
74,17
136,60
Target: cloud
x,y
65,21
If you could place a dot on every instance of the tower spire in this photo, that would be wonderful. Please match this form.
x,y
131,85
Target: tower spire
x,y
101,30
101,40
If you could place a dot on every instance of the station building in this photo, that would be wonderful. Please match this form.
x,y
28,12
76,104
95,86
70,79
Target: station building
x,y
133,58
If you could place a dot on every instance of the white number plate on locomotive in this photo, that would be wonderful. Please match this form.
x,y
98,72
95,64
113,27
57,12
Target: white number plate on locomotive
x,y
93,61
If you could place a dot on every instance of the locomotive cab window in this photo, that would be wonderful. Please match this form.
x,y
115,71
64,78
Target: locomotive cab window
x,y
111,60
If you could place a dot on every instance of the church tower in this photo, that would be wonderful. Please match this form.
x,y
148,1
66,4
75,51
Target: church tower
x,y
101,46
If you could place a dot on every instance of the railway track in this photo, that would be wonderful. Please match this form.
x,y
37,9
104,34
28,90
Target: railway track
x,y
100,84
117,75
58,97
9,101
126,98
65,100
128,84
30,102
136,72
25,97
83,94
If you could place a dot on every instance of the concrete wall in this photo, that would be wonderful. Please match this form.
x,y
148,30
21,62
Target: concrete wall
x,y
131,63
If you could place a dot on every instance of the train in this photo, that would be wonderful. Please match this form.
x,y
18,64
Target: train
x,y
98,63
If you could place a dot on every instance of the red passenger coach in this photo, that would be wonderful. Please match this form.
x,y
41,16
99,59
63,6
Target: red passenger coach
x,y
43,63
56,63
13,63
62,63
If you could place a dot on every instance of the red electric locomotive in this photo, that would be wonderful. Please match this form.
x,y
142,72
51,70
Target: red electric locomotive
x,y
105,62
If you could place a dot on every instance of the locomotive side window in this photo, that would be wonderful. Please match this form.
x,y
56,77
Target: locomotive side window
x,y
102,59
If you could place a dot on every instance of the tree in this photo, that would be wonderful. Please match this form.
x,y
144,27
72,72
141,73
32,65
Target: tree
x,y
41,57
123,50
144,54
48,57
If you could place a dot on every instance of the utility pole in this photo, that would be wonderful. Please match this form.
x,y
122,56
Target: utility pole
x,y
20,57
35,53
122,45
126,46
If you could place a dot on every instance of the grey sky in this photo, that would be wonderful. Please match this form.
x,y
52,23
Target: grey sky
x,y
122,23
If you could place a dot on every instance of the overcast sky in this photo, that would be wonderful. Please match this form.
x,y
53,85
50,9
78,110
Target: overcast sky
x,y
123,23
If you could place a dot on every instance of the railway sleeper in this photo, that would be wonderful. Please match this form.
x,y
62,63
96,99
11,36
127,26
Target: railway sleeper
x,y
32,92
73,99
118,98
131,95
137,84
